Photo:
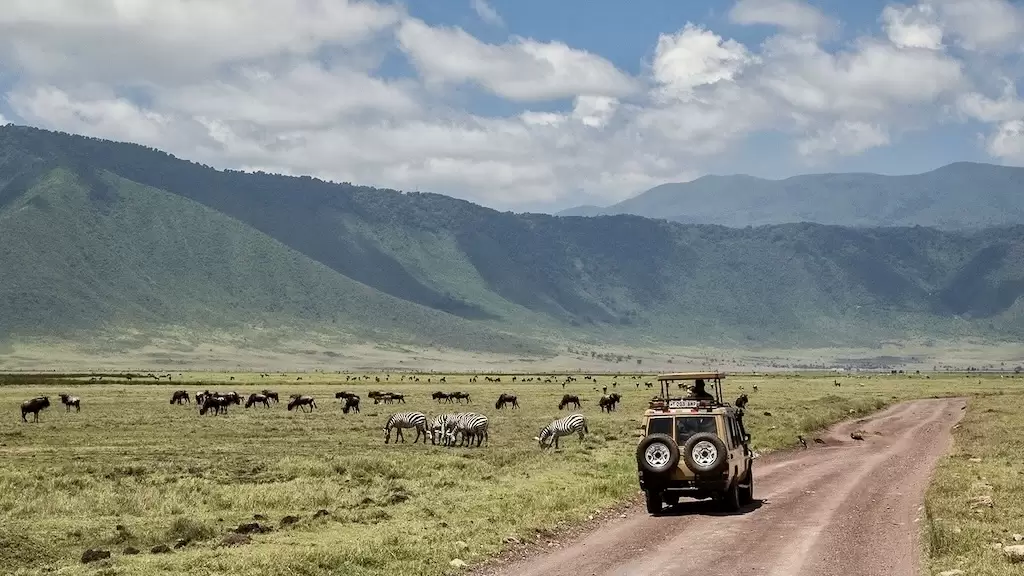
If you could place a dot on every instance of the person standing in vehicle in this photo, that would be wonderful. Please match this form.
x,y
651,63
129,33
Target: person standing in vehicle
x,y
698,392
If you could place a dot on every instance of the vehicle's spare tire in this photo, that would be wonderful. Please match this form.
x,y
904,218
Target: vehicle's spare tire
x,y
657,454
704,453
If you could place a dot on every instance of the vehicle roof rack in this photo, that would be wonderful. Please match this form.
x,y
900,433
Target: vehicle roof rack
x,y
692,376
711,379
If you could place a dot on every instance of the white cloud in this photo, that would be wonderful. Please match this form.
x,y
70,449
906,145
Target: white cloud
x,y
1005,108
487,13
793,15
845,137
294,88
696,57
523,70
594,111
124,40
1008,141
913,27
983,25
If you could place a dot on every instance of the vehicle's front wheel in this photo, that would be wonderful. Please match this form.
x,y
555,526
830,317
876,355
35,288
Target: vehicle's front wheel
x,y
747,489
731,499
653,500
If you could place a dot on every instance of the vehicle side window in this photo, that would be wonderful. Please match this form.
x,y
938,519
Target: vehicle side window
x,y
660,426
734,430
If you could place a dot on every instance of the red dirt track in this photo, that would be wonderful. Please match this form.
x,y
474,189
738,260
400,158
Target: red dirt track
x,y
846,508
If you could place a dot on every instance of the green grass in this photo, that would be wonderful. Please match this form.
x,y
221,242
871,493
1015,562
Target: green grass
x,y
162,472
987,462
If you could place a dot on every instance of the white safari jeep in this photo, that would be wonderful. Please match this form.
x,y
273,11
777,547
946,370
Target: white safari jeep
x,y
695,446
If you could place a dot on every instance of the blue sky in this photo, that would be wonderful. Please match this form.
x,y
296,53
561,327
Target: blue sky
x,y
522,104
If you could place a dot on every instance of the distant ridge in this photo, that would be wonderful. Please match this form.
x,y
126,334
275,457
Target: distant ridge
x,y
959,196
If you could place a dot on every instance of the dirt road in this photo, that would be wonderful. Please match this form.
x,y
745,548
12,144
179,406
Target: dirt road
x,y
843,508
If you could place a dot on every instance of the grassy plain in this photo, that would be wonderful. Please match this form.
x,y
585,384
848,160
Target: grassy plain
x,y
975,504
162,472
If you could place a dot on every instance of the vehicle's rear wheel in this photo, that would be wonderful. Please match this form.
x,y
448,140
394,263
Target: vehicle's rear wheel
x,y
747,488
653,500
731,498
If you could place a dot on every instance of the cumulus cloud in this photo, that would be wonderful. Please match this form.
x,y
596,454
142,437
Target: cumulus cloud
x,y
984,25
912,27
487,13
523,70
696,57
1008,141
170,40
296,88
793,15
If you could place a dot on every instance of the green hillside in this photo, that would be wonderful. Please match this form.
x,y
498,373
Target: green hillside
x,y
100,236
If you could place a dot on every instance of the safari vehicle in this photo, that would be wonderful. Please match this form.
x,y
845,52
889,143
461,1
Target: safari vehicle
x,y
694,446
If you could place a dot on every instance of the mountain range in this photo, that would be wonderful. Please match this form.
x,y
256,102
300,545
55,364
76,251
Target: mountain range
x,y
100,237
963,195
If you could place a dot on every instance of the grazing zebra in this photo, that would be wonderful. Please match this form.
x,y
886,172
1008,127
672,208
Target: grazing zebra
x,y
470,426
438,425
70,401
403,420
571,424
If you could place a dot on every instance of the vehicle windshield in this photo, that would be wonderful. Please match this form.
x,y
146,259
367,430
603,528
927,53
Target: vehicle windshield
x,y
687,426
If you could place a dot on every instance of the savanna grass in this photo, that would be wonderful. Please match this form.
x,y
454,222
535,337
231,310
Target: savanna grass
x,y
133,470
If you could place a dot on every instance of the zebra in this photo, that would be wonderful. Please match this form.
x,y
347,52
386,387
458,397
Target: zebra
x,y
470,426
406,420
573,423
438,426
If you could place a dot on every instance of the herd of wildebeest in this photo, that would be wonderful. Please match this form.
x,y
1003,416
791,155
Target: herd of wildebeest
x,y
463,428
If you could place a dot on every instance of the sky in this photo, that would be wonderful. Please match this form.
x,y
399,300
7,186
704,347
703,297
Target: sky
x,y
527,105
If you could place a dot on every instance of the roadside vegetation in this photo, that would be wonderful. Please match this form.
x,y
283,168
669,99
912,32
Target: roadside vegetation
x,y
975,505
132,471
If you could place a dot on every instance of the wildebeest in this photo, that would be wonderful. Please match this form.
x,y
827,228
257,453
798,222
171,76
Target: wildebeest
x,y
569,399
343,395
351,403
741,402
34,406
257,399
607,402
506,399
440,396
271,395
181,397
301,401
232,398
70,401
459,396
214,402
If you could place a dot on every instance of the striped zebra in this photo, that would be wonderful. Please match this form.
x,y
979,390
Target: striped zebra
x,y
406,420
571,424
439,427
468,425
